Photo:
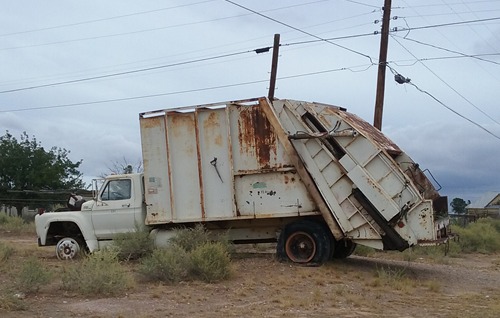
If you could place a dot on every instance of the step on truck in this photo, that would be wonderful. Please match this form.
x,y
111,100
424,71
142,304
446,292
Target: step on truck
x,y
313,178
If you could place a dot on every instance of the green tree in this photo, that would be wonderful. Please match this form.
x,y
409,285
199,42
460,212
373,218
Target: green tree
x,y
458,205
31,175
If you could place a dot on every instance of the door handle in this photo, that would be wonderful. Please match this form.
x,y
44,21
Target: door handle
x,y
126,205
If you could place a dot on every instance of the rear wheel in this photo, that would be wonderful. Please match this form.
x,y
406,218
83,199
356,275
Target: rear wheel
x,y
344,248
304,242
67,248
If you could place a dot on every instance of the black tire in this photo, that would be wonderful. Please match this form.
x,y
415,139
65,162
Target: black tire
x,y
304,242
344,248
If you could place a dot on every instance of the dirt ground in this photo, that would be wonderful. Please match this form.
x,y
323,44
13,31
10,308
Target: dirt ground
x,y
260,286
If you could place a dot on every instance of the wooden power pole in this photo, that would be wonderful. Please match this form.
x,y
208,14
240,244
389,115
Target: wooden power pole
x,y
274,67
384,43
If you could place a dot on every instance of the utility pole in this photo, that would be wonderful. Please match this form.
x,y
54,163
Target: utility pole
x,y
384,43
274,67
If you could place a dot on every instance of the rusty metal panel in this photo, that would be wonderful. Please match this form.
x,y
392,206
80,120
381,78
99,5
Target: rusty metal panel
x,y
255,145
183,161
156,174
215,163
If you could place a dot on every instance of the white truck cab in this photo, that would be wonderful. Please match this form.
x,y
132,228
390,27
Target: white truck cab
x,y
118,207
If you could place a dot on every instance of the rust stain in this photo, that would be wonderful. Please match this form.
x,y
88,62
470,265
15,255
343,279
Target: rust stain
x,y
151,122
256,135
211,126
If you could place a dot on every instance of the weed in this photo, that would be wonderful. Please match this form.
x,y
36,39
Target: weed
x,y
133,245
434,286
362,250
210,262
6,252
167,265
11,301
99,274
15,225
482,236
33,275
190,238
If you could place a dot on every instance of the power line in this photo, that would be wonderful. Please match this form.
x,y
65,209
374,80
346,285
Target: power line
x,y
351,68
103,19
452,51
299,30
448,24
125,72
449,86
145,30
454,111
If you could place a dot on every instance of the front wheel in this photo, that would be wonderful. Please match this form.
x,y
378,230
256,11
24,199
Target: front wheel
x,y
304,242
67,248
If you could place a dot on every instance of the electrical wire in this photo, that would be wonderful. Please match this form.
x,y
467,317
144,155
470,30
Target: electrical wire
x,y
449,86
454,111
300,30
366,67
104,19
451,51
125,72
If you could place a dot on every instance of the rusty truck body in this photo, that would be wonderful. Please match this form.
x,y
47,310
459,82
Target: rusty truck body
x,y
312,177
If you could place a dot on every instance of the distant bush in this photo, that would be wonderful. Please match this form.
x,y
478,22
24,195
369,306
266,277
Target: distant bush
x,y
33,275
133,245
482,236
15,225
167,265
99,274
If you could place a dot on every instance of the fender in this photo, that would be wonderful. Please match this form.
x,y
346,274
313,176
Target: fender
x,y
82,220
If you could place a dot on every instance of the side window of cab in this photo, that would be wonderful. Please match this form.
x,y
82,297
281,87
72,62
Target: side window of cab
x,y
117,190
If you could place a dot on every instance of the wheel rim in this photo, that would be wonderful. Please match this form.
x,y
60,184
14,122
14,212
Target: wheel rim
x,y
300,247
67,248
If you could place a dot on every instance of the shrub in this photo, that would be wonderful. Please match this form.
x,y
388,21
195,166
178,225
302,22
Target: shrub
x,y
15,225
167,265
133,245
193,254
33,275
190,238
482,236
210,262
99,274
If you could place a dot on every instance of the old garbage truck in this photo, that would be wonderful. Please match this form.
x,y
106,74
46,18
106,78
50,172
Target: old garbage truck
x,y
313,178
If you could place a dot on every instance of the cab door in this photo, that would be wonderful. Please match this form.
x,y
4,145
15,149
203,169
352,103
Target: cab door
x,y
115,209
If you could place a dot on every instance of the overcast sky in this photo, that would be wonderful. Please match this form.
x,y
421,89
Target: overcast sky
x,y
76,74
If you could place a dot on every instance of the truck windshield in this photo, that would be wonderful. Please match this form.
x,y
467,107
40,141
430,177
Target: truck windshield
x,y
116,190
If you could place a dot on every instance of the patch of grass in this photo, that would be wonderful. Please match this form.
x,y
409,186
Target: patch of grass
x,y
6,252
33,275
133,245
167,265
482,236
11,301
393,277
99,274
210,262
362,250
15,225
